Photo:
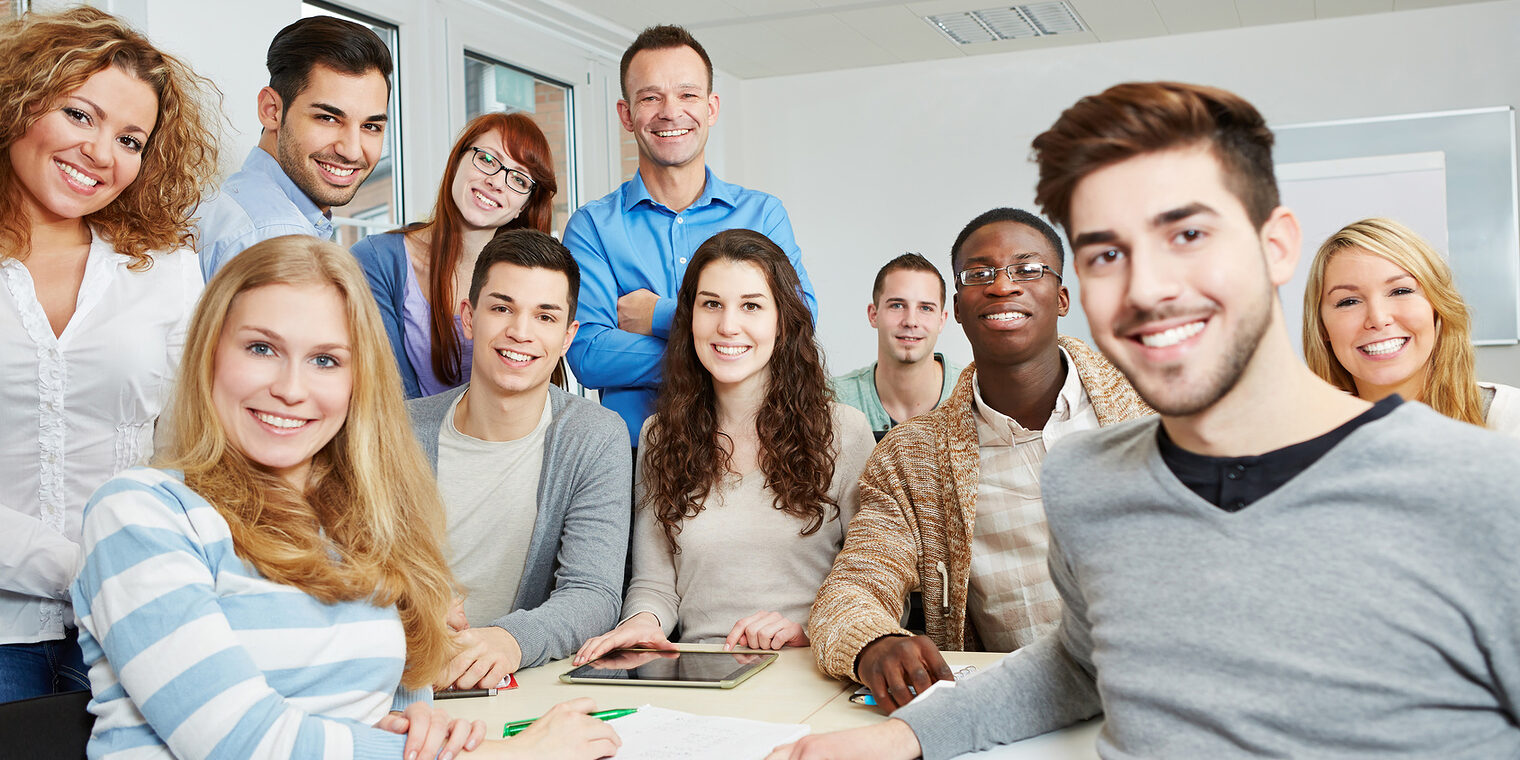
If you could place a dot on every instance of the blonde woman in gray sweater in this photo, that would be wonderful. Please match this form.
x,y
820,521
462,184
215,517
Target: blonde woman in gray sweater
x,y
747,470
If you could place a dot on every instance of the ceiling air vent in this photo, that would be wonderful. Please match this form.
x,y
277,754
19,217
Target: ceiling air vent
x,y
1009,22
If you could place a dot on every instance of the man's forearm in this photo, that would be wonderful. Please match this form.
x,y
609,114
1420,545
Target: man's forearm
x,y
1037,689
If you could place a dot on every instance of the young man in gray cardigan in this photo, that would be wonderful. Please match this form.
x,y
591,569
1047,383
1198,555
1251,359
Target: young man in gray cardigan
x,y
536,481
1273,568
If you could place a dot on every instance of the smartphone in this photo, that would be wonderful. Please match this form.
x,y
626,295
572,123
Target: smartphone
x,y
862,695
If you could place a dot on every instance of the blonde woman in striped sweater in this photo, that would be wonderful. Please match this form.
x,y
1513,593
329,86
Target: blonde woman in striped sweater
x,y
276,588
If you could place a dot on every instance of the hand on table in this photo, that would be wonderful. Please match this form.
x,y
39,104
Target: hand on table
x,y
488,655
642,630
635,311
431,733
883,741
892,664
566,732
766,630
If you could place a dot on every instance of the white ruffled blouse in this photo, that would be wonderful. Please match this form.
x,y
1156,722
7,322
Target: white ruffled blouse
x,y
76,409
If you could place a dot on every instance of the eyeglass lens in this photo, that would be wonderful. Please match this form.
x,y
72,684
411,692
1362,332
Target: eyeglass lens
x,y
490,165
985,275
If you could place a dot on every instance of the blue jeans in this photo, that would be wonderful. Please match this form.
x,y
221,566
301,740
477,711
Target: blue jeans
x,y
46,667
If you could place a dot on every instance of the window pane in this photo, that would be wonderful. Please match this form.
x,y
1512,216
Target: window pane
x,y
490,86
377,205
628,153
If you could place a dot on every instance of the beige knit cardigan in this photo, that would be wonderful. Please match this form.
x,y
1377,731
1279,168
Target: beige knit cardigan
x,y
914,527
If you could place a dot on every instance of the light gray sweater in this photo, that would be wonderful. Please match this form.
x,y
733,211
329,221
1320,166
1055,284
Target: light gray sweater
x,y
1368,608
574,570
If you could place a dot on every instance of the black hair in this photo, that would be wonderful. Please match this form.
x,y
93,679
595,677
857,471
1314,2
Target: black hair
x,y
529,249
1018,216
339,44
662,38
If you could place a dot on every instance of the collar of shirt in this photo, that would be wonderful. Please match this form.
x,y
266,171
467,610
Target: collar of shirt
x,y
102,266
260,162
1070,403
713,189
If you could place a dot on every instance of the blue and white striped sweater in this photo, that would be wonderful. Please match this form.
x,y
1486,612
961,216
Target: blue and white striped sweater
x,y
194,654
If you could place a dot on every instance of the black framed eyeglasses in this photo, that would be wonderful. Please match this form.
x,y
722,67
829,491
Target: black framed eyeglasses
x,y
490,165
1021,272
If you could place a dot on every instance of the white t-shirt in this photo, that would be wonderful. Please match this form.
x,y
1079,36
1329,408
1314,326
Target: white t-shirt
x,y
490,493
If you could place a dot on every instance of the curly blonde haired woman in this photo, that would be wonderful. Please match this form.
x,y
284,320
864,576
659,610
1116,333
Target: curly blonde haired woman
x,y
1382,316
106,143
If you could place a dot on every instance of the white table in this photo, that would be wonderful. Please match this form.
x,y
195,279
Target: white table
x,y
790,690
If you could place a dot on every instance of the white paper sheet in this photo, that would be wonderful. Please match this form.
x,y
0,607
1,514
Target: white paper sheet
x,y
655,733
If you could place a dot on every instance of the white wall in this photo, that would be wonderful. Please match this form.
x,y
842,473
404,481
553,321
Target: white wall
x,y
872,162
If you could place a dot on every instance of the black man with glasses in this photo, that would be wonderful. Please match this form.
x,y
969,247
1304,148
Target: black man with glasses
x,y
950,500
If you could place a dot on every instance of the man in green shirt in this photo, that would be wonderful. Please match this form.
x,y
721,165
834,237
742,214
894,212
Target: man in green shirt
x,y
908,378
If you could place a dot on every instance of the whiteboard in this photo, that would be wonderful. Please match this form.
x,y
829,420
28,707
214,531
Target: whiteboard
x,y
1321,180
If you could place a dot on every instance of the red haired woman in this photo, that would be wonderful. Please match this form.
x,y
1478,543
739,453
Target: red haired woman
x,y
500,176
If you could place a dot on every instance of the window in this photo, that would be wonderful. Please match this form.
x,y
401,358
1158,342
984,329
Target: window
x,y
377,207
491,86
628,153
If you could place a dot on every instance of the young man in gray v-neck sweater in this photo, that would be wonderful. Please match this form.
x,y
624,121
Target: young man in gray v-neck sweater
x,y
1273,568
536,482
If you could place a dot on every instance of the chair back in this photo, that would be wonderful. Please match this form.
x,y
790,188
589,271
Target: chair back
x,y
52,726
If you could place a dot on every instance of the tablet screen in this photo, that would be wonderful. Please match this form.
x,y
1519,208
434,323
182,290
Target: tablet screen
x,y
666,667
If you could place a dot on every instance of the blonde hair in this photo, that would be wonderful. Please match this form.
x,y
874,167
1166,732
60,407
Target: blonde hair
x,y
370,524
50,55
1451,385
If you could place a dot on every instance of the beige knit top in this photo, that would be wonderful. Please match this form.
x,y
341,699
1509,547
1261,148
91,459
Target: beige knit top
x,y
740,554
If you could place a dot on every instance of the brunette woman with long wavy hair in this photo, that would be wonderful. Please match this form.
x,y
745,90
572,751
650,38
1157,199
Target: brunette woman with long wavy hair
x,y
105,145
500,176
747,470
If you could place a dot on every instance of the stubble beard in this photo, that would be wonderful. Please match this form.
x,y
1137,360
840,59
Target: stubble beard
x,y
300,169
1217,382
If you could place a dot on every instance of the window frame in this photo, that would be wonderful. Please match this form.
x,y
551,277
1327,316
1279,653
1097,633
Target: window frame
x,y
568,187
537,51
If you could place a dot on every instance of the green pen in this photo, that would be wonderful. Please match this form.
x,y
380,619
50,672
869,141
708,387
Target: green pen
x,y
518,726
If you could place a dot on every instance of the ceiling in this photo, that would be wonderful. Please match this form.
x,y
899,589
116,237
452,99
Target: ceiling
x,y
761,38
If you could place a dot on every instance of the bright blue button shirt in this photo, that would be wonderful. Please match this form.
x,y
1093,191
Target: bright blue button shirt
x,y
257,203
625,241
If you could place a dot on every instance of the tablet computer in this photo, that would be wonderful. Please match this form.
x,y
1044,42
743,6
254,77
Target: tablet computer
x,y
664,667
